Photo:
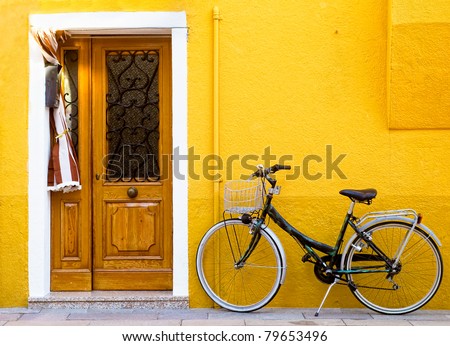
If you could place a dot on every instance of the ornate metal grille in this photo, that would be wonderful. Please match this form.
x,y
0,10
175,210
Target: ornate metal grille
x,y
71,93
132,115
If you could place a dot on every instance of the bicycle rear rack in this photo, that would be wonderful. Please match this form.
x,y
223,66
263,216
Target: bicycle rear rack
x,y
387,214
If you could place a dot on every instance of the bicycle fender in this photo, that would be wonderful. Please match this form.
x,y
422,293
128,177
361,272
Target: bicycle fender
x,y
277,241
383,220
403,220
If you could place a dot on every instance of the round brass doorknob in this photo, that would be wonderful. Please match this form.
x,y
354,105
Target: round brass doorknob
x,y
132,192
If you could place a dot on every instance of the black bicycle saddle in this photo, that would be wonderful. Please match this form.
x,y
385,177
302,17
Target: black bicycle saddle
x,y
359,195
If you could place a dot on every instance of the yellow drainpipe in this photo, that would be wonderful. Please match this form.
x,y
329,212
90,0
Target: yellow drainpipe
x,y
216,18
388,60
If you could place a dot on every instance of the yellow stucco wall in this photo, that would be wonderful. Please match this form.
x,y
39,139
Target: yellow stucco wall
x,y
420,72
298,77
13,156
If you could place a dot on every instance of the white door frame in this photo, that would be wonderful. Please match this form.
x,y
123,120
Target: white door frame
x,y
173,23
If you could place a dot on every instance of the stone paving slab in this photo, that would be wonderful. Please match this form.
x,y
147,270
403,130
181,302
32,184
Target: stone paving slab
x,y
414,317
374,322
213,323
47,323
183,314
9,317
46,316
158,323
430,323
220,317
19,311
264,314
319,322
112,316
338,315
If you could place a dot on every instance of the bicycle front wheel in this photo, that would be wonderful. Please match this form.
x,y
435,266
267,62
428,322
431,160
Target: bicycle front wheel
x,y
411,286
243,287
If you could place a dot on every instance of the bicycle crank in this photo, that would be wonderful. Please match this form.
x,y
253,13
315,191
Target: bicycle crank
x,y
325,274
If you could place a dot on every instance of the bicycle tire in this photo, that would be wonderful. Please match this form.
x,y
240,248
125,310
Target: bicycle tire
x,y
249,287
419,277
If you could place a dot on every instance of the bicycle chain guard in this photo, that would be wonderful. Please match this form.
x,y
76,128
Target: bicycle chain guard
x,y
321,272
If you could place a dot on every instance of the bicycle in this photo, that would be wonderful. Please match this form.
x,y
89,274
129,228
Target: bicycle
x,y
392,263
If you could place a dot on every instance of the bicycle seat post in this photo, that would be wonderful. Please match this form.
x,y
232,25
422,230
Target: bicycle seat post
x,y
350,209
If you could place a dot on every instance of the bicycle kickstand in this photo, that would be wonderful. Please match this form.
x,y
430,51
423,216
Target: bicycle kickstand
x,y
325,297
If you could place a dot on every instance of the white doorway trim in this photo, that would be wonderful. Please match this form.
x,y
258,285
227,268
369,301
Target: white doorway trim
x,y
173,23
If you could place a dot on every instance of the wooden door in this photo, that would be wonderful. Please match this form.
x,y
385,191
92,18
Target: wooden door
x,y
116,233
71,223
131,141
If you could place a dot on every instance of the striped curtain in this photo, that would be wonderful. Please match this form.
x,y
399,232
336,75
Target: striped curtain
x,y
63,171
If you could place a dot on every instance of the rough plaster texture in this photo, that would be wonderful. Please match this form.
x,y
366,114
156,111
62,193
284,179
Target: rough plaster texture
x,y
294,78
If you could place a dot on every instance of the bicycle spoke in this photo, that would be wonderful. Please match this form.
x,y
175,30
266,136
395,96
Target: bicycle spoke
x,y
238,286
417,276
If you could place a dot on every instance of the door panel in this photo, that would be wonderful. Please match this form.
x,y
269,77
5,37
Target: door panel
x,y
71,224
143,219
132,141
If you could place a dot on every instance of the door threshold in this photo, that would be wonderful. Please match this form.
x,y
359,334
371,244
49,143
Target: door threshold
x,y
109,300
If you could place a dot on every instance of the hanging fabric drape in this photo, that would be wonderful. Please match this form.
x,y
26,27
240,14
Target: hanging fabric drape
x,y
63,173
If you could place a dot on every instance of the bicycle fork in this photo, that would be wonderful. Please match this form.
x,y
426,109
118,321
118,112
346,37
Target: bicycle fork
x,y
246,254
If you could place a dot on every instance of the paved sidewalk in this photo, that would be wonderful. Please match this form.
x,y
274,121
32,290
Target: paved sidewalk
x,y
217,317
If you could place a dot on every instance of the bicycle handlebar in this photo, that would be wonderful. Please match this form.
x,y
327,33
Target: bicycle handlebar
x,y
261,172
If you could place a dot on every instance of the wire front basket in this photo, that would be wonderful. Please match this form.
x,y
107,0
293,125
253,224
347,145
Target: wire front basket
x,y
243,196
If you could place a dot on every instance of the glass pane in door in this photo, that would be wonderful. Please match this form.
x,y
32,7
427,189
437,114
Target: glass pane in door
x,y
132,116
70,87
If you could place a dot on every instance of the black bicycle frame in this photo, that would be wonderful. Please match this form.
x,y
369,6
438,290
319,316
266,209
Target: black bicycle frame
x,y
332,253
310,244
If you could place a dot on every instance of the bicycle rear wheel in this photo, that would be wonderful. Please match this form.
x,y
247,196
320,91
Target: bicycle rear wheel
x,y
242,288
418,278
